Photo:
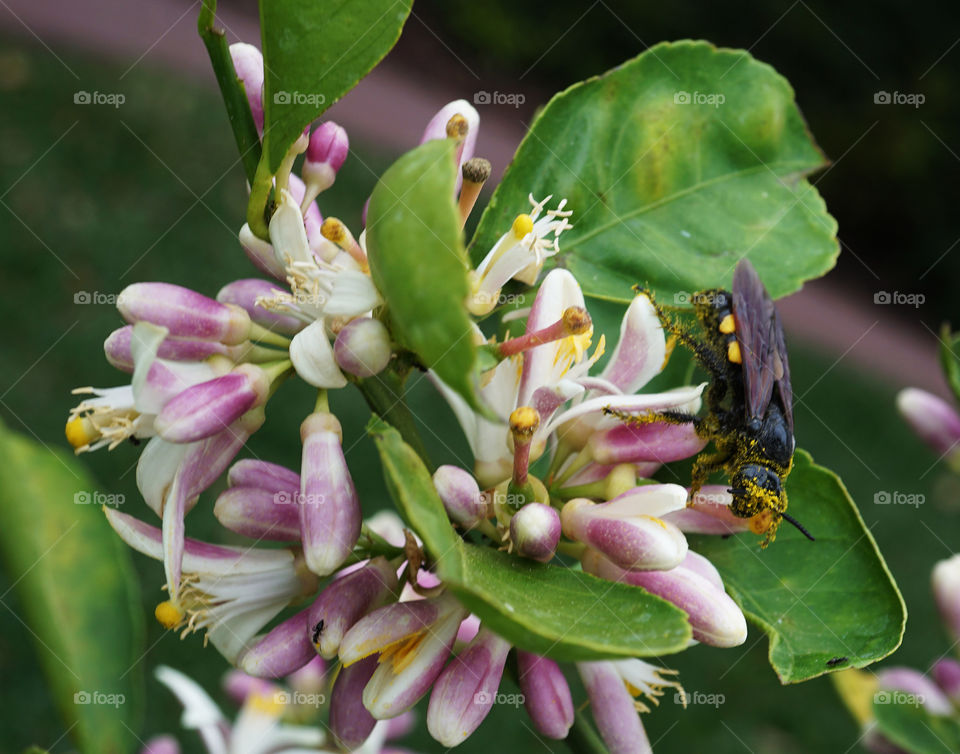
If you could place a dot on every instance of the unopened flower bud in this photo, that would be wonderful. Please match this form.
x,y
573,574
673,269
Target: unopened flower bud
x,y
118,348
326,153
946,592
934,420
248,64
546,694
535,532
244,293
281,651
915,684
363,347
185,313
461,496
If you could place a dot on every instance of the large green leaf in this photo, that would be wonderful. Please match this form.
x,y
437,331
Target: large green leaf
x,y
914,729
314,52
670,192
551,610
75,585
818,601
419,264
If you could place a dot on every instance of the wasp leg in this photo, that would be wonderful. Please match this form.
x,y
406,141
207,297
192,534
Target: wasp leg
x,y
705,465
651,417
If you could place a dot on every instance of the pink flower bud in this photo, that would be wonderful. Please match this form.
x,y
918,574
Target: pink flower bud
x,y
244,293
280,652
210,407
535,532
658,441
350,722
238,686
946,672
946,592
118,350
465,692
271,477
461,496
346,600
363,347
934,420
915,684
326,152
628,529
613,709
185,313
330,517
248,64
546,695
259,514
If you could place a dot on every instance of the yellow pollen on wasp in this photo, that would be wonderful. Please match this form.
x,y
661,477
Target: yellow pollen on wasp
x,y
401,653
80,431
762,522
168,614
522,225
733,352
728,324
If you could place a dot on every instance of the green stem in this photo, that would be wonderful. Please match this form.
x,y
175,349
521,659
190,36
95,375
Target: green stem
x,y
231,88
384,395
323,402
261,334
583,737
260,188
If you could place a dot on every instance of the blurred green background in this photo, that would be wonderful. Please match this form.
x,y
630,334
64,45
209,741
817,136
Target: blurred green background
x,y
153,192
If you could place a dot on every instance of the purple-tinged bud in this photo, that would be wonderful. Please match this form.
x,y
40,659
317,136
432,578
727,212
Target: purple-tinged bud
x,y
350,722
613,709
709,513
118,349
326,152
330,517
248,64
281,651
914,684
261,253
161,745
238,686
657,441
946,592
946,672
311,678
273,477
346,600
210,407
467,688
546,695
535,532
461,496
934,420
628,529
363,347
692,586
244,293
259,514
185,313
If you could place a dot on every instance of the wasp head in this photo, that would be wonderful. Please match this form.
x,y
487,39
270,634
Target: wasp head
x,y
758,495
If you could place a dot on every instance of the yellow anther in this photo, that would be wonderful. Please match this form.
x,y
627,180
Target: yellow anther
x,y
576,320
334,230
733,352
401,653
524,421
168,614
728,324
80,431
457,127
522,225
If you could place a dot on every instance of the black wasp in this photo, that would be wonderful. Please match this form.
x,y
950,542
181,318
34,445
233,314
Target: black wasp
x,y
749,400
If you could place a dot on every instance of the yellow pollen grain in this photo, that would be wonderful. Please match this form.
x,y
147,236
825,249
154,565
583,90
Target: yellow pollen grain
x,y
80,431
522,225
333,230
401,653
168,614
733,353
728,324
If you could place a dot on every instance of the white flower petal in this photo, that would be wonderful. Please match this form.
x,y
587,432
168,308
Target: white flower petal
x,y
287,233
312,357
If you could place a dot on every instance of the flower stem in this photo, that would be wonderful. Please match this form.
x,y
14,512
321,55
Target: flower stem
x,y
583,737
323,402
384,394
260,188
231,88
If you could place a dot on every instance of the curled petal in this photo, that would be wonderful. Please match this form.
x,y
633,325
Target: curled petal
x,y
312,357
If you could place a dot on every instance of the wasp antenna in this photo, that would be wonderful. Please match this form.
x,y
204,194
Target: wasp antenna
x,y
796,523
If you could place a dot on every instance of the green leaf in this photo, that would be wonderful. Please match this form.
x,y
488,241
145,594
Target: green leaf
x,y
555,611
914,729
817,601
314,53
75,584
949,361
669,194
419,264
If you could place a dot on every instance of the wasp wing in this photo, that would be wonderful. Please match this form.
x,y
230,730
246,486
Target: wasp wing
x,y
756,328
783,372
